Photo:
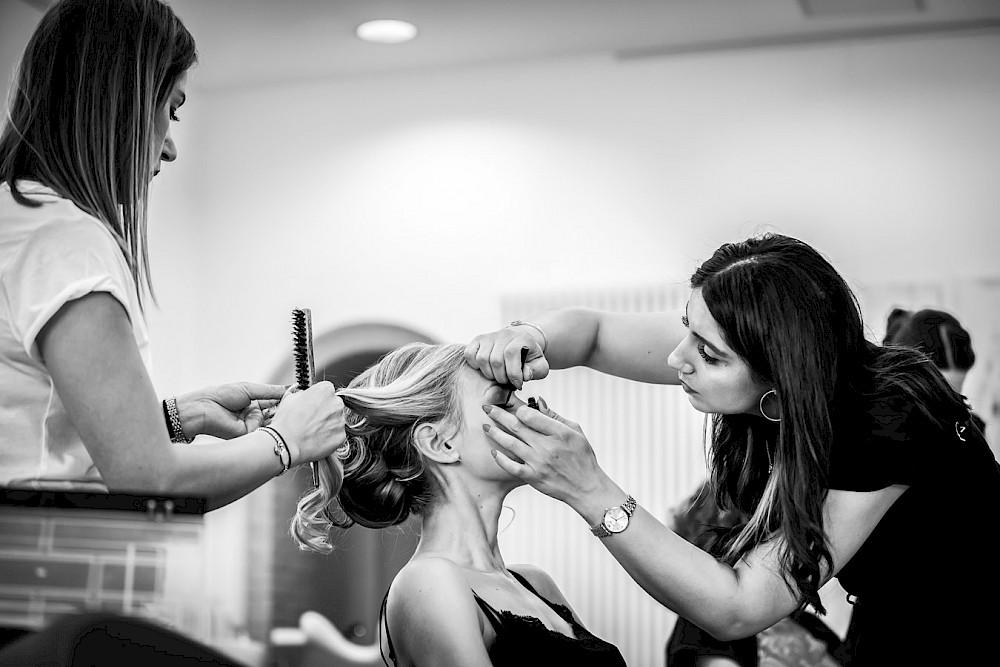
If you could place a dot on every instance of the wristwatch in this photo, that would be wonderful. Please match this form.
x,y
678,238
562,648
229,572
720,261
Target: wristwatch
x,y
615,519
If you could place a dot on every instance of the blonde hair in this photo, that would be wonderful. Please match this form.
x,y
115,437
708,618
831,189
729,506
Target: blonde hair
x,y
80,113
378,479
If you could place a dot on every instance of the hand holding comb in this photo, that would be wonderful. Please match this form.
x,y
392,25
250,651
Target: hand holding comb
x,y
305,366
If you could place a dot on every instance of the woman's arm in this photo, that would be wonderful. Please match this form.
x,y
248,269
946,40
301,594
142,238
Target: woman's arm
x,y
433,618
89,349
729,602
628,345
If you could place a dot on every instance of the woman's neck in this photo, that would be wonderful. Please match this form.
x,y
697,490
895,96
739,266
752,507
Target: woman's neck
x,y
463,527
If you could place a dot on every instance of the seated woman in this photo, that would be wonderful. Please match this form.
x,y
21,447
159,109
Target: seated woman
x,y
416,444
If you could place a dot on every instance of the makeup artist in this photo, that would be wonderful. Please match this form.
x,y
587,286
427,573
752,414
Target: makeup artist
x,y
98,87
847,458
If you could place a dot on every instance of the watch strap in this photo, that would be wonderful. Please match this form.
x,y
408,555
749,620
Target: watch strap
x,y
628,507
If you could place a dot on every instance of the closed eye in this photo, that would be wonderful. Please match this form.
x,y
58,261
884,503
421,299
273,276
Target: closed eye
x,y
708,360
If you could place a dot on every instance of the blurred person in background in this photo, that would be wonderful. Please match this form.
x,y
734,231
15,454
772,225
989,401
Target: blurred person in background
x,y
941,337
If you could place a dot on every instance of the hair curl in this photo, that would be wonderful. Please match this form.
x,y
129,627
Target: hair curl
x,y
384,478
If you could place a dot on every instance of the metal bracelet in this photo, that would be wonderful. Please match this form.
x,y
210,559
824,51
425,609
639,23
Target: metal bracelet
x,y
174,427
522,323
280,449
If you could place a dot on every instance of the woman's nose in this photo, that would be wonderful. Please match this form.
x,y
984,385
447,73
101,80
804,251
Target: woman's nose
x,y
676,361
169,151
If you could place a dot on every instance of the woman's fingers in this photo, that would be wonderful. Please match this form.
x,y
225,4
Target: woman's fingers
x,y
514,446
507,357
515,420
511,467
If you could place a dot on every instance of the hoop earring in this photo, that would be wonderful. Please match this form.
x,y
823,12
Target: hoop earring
x,y
761,406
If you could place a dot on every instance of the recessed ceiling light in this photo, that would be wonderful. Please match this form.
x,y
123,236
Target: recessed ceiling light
x,y
387,31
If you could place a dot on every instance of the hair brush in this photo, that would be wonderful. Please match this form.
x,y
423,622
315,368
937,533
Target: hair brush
x,y
305,366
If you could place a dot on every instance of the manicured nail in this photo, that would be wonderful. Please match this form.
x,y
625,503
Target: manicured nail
x,y
487,427
488,409
493,452
527,373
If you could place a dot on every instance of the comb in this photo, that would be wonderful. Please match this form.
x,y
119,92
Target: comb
x,y
302,356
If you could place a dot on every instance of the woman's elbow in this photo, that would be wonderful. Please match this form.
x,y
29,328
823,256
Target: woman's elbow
x,y
731,633
731,627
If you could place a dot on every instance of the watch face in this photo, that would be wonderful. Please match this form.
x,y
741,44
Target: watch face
x,y
616,520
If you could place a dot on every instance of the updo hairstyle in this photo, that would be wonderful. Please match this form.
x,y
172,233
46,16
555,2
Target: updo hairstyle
x,y
384,478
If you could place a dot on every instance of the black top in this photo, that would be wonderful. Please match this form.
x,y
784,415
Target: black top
x,y
925,579
524,641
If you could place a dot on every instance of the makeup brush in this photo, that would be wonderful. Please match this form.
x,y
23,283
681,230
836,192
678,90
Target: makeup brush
x,y
305,366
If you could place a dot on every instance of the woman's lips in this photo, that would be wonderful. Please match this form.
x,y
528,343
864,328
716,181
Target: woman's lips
x,y
686,388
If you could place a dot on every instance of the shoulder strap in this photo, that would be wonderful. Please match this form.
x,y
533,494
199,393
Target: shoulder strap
x,y
383,618
524,582
561,610
491,614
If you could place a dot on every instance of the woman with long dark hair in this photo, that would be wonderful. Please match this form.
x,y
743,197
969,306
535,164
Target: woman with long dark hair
x,y
846,457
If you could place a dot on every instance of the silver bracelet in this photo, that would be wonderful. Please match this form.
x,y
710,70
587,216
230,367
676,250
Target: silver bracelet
x,y
174,427
280,449
522,323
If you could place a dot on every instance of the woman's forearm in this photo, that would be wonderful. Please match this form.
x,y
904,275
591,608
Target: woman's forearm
x,y
222,471
727,602
628,345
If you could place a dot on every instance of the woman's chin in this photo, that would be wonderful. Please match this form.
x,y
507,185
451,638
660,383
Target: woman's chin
x,y
697,403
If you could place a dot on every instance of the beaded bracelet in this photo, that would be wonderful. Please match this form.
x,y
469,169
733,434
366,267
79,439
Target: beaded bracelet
x,y
173,417
280,449
522,323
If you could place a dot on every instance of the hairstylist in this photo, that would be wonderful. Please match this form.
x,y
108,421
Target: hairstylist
x,y
99,85
846,457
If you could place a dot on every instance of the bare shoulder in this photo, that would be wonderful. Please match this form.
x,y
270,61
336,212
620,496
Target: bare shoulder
x,y
428,578
432,615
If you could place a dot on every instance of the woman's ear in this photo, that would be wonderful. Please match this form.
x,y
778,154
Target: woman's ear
x,y
430,441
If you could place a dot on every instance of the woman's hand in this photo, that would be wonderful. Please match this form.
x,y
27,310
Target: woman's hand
x,y
512,355
311,421
548,452
228,410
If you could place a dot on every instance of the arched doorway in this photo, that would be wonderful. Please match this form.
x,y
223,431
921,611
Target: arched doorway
x,y
347,585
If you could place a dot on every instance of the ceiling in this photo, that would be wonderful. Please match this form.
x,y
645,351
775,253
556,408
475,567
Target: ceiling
x,y
250,42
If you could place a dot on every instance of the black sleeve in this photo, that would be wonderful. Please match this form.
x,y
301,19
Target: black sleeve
x,y
891,442
688,642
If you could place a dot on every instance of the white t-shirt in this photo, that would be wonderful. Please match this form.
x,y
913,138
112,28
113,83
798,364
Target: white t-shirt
x,y
49,255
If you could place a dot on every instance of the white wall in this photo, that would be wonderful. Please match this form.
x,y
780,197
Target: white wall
x,y
421,199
